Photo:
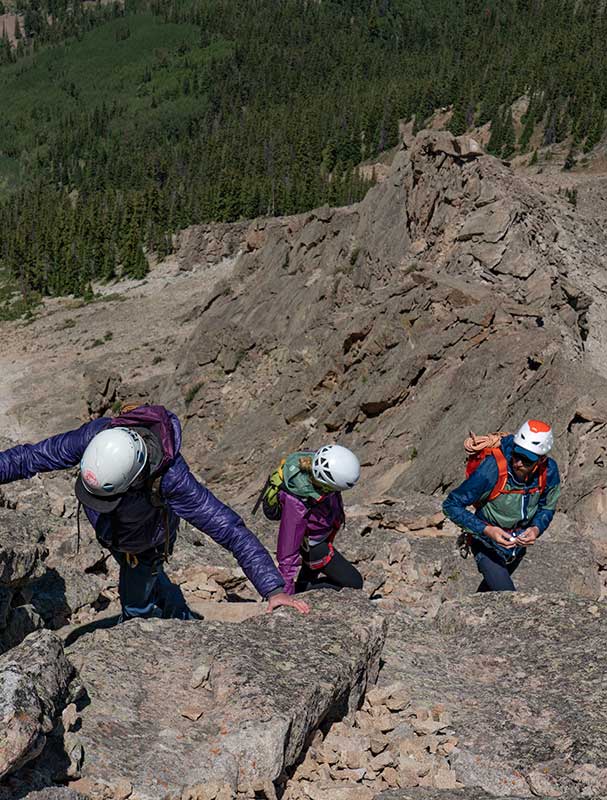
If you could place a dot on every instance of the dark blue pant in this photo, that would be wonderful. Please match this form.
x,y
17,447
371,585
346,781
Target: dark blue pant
x,y
496,574
145,590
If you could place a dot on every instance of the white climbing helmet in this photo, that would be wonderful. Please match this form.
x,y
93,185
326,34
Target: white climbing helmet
x,y
535,438
336,467
112,461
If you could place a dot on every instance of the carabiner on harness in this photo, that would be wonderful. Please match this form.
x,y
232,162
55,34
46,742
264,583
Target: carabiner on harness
x,y
464,541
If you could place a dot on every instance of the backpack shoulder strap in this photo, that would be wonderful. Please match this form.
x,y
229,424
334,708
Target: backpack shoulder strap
x,y
542,477
155,494
153,487
502,472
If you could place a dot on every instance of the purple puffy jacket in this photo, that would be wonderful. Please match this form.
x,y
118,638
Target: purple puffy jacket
x,y
299,521
184,495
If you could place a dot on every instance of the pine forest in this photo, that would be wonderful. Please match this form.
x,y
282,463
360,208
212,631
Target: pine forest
x,y
125,122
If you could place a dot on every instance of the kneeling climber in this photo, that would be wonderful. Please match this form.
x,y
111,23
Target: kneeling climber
x,y
305,493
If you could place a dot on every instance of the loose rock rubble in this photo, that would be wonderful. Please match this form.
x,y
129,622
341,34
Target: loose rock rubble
x,y
391,743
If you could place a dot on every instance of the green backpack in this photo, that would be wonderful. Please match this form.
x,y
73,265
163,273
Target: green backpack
x,y
268,497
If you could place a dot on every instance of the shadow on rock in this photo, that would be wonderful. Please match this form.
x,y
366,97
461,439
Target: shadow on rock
x,y
90,627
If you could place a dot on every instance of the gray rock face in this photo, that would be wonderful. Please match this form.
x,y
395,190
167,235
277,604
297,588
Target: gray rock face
x,y
21,551
34,680
522,676
43,580
22,554
209,244
177,704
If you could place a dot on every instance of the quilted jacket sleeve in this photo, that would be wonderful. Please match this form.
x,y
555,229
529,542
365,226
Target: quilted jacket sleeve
x,y
193,502
291,534
58,452
473,490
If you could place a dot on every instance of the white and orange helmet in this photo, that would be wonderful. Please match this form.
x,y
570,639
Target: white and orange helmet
x,y
534,439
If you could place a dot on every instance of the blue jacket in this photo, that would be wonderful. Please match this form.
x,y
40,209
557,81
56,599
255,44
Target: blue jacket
x,y
183,494
524,508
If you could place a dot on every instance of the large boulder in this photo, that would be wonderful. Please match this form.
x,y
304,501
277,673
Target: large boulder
x,y
522,678
34,682
175,705
46,574
22,555
22,550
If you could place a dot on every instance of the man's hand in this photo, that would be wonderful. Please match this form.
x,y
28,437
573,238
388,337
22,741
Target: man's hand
x,y
283,599
528,537
500,537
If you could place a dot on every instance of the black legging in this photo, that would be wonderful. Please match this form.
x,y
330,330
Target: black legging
x,y
337,574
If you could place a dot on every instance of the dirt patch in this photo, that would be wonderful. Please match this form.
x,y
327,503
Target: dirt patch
x,y
134,327
8,23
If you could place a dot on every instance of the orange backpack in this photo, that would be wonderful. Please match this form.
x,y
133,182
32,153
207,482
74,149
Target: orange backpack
x,y
479,447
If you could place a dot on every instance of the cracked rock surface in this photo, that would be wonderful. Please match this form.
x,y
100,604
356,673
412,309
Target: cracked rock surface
x,y
235,706
523,678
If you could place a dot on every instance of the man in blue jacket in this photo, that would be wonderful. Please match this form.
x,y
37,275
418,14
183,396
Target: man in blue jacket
x,y
134,486
514,490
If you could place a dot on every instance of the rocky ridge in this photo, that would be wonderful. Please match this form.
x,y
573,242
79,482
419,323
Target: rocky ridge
x,y
410,298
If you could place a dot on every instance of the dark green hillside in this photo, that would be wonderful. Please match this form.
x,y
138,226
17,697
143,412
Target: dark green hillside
x,y
149,118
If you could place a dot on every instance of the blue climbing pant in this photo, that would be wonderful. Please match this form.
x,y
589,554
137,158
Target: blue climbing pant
x,y
145,590
496,573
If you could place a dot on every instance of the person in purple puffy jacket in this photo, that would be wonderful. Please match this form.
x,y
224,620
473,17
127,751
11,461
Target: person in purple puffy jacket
x,y
134,486
311,514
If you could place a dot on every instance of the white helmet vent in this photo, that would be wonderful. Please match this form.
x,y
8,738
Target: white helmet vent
x,y
336,467
535,436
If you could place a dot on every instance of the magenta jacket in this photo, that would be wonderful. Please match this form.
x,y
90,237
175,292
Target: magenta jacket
x,y
299,522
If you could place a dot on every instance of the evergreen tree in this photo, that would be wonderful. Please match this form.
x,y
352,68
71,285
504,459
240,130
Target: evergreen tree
x,y
496,140
570,159
508,134
596,129
457,124
256,108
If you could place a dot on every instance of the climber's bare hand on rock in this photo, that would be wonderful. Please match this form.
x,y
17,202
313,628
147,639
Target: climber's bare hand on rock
x,y
283,599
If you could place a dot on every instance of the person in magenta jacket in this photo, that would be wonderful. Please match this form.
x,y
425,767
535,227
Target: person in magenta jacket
x,y
135,486
311,514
